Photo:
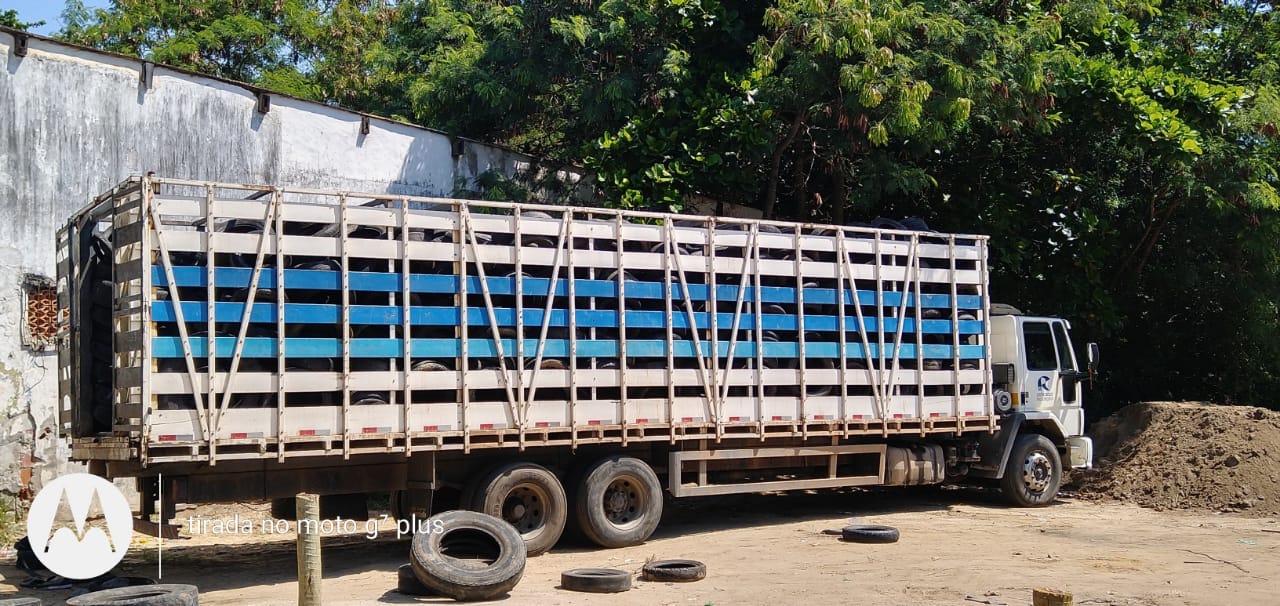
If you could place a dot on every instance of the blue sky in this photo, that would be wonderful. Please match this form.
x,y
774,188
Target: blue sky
x,y
49,11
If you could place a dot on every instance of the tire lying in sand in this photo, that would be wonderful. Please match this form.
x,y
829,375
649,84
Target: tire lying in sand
x,y
142,595
20,602
869,533
596,580
472,556
408,584
674,571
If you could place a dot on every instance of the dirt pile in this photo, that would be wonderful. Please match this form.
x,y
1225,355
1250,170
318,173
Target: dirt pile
x,y
1188,455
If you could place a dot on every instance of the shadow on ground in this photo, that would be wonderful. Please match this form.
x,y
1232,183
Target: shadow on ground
x,y
232,566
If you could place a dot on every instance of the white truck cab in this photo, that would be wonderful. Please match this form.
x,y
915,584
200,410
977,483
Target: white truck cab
x,y
1036,374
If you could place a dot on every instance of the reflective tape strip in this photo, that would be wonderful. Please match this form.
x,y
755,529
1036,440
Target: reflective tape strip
x,y
181,437
313,432
436,427
375,430
246,435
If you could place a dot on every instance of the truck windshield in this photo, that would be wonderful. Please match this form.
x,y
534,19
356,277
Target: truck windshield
x,y
1039,343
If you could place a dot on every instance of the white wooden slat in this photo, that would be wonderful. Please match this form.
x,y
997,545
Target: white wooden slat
x,y
545,415
193,241
169,383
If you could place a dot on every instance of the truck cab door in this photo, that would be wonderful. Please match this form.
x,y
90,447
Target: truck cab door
x,y
1051,382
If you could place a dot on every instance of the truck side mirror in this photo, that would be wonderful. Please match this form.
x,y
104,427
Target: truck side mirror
x,y
1094,354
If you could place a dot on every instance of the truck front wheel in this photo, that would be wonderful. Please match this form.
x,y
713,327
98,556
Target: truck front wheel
x,y
619,502
1033,473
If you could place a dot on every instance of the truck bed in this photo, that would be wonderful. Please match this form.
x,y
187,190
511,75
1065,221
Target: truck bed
x,y
351,324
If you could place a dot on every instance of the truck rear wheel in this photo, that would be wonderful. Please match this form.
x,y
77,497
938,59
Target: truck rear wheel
x,y
1033,473
619,502
527,496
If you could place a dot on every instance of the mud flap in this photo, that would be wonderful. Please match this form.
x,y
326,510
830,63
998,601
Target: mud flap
x,y
994,448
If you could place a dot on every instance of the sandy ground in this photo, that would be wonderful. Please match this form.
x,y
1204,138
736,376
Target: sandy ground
x,y
769,549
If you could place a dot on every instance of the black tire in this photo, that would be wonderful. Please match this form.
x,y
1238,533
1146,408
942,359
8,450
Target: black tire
x,y
596,580
869,533
467,497
1033,473
398,504
472,557
20,602
619,502
408,584
530,498
142,595
674,571
402,506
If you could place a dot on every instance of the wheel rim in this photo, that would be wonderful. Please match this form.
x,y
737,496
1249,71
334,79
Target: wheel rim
x,y
625,501
1037,472
525,508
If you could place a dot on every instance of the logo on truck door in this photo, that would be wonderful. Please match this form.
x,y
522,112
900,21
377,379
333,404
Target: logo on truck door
x,y
1042,383
79,526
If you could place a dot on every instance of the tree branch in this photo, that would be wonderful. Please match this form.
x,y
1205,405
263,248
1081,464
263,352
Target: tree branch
x,y
775,163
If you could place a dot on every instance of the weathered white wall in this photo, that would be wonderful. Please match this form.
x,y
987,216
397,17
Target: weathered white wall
x,y
74,122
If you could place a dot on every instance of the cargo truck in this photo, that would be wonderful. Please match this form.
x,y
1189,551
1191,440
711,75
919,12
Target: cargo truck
x,y
545,364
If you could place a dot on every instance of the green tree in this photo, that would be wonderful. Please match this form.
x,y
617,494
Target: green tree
x,y
315,49
873,89
9,18
1148,213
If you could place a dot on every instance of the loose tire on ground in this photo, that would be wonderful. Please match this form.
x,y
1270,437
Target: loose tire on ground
x,y
869,533
473,556
674,571
618,502
20,601
408,584
595,580
142,595
530,498
1033,473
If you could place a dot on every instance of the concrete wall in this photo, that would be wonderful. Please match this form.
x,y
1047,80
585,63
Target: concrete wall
x,y
74,122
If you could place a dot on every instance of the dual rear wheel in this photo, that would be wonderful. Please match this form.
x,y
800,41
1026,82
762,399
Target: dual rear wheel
x,y
616,502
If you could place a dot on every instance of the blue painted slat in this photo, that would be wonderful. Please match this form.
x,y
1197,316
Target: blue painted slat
x,y
234,277
265,347
387,315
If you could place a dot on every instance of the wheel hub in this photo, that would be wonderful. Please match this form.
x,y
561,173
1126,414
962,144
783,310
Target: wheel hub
x,y
1037,471
523,508
615,502
624,500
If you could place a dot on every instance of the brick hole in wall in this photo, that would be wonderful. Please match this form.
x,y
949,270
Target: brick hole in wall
x,y
41,311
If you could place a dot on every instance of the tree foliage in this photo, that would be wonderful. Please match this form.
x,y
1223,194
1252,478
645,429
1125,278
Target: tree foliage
x,y
1122,154
316,49
9,18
